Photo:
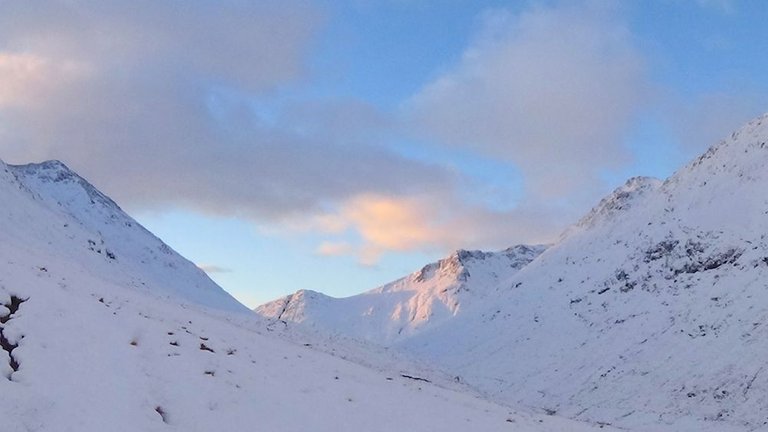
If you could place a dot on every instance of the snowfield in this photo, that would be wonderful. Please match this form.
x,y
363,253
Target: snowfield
x,y
651,313
105,328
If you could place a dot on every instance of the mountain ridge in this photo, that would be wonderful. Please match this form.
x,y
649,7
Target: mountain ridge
x,y
425,298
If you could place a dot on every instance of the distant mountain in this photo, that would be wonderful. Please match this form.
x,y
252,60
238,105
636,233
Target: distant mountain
x,y
103,327
651,313
418,302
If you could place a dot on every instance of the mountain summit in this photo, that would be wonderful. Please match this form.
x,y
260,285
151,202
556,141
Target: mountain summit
x,y
52,209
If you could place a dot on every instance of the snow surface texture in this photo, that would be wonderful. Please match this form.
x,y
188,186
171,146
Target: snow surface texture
x,y
105,328
651,313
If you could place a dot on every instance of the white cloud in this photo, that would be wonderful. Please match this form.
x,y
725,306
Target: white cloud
x,y
255,45
154,102
27,79
552,90
436,222
710,117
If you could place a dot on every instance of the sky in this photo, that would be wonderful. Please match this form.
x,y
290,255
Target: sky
x,y
338,145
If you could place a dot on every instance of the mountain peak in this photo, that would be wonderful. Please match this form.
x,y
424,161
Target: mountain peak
x,y
425,299
53,170
620,200
69,185
52,164
53,209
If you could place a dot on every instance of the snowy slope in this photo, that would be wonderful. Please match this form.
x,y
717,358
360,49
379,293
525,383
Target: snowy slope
x,y
72,219
121,334
650,313
420,301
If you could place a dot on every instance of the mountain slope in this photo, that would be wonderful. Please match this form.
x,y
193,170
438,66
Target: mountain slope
x,y
651,313
121,334
423,300
70,218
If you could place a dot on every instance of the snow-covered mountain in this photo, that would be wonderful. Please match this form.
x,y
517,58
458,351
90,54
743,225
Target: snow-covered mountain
x,y
418,302
104,328
650,313
51,211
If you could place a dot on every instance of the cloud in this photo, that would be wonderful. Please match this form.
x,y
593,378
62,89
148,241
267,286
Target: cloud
x,y
255,45
710,117
392,223
436,222
164,106
552,90
332,249
167,106
27,78
210,268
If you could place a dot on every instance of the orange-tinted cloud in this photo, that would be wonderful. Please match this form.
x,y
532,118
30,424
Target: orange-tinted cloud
x,y
392,223
27,79
334,249
438,222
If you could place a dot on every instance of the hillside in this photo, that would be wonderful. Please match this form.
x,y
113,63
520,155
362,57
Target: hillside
x,y
104,328
421,301
651,313
57,215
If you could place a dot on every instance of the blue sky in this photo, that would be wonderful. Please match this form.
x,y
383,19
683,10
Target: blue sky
x,y
337,145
